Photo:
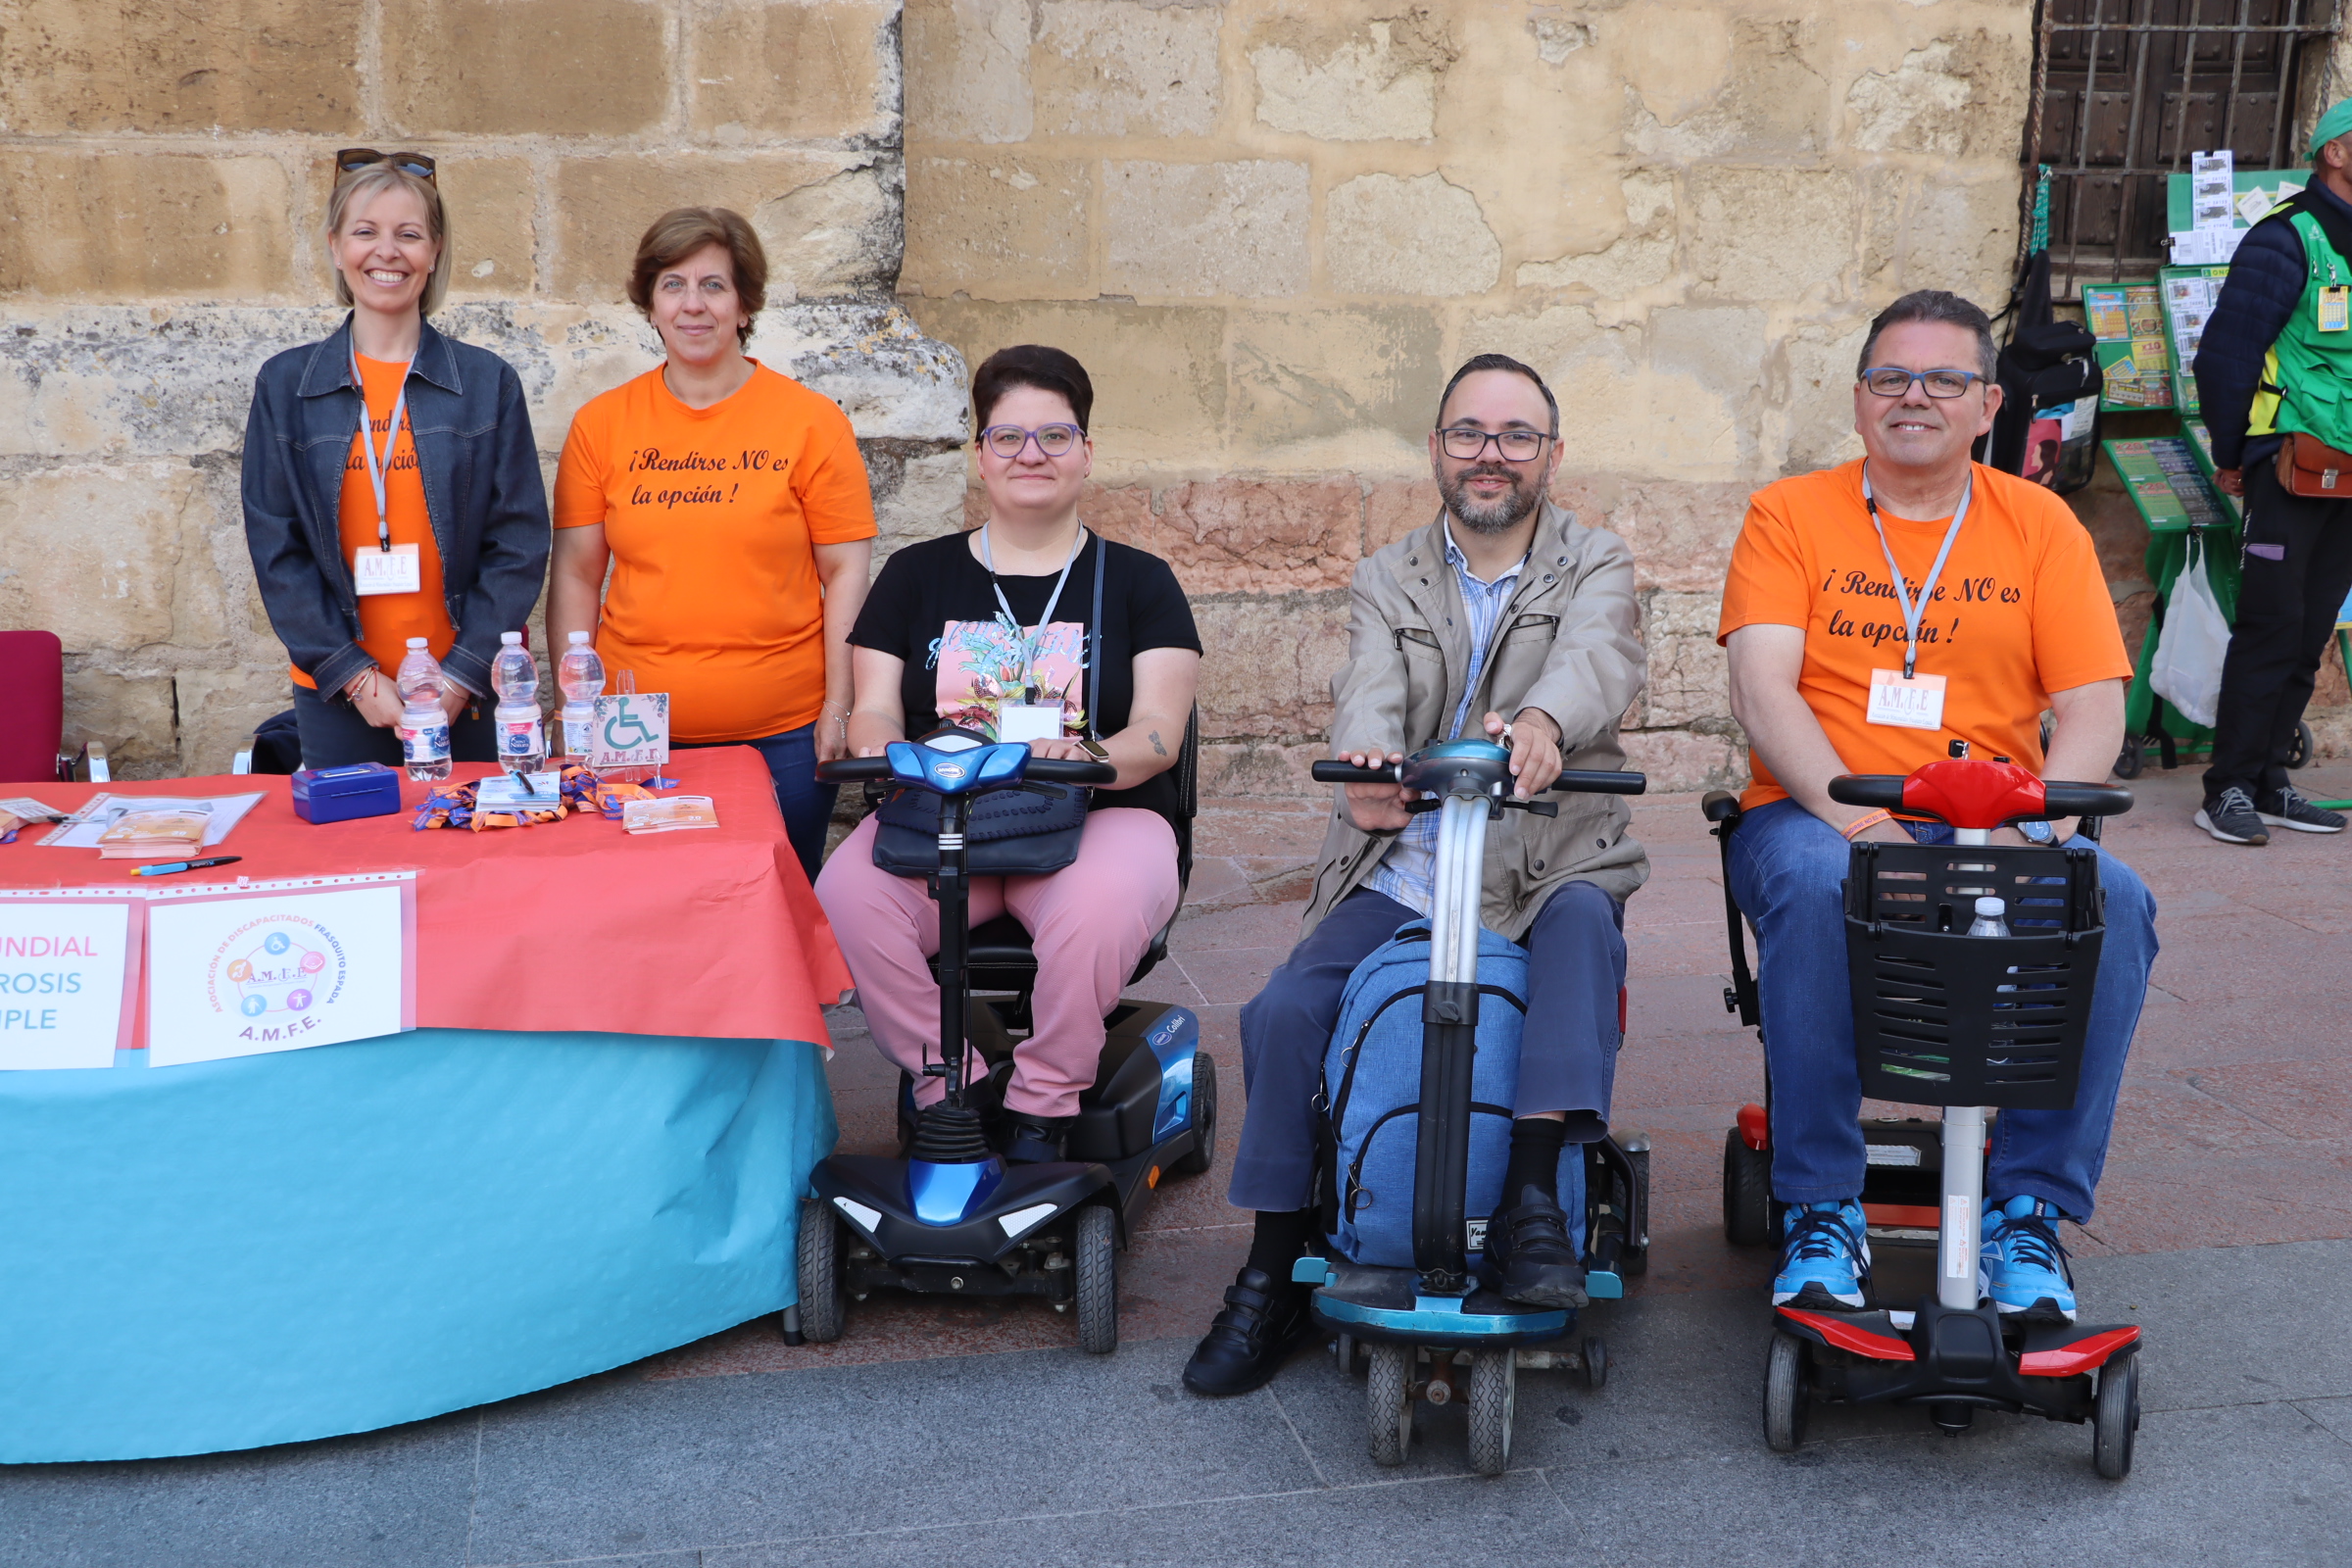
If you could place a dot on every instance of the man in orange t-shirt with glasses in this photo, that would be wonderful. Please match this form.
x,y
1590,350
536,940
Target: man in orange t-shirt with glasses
x,y
1836,667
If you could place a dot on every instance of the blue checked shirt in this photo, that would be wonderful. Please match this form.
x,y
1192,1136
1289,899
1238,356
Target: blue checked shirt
x,y
1407,873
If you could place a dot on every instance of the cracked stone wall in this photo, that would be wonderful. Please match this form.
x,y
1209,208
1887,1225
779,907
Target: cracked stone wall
x,y
1272,227
163,171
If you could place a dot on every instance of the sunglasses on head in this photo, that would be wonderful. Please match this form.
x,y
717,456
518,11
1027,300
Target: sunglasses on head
x,y
351,160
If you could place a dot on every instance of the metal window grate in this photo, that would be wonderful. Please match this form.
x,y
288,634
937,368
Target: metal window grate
x,y
2124,90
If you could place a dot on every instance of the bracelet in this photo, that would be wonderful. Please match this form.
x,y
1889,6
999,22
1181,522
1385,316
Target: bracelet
x,y
1864,824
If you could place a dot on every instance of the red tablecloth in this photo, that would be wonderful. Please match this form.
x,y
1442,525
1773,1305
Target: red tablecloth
x,y
569,925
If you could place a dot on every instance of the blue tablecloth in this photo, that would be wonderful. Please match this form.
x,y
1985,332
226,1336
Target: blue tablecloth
x,y
287,1247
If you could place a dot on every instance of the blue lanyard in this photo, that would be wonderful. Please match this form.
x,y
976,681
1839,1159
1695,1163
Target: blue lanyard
x,y
1914,608
376,465
1028,644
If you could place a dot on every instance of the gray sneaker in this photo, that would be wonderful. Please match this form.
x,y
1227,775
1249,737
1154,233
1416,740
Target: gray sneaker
x,y
2230,817
2283,807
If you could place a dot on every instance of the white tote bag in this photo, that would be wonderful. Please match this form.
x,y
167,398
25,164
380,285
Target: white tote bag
x,y
2186,670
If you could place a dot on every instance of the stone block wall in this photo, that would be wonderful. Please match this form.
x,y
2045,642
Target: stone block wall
x,y
164,172
1271,229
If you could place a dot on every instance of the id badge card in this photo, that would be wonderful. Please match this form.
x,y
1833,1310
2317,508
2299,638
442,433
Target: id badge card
x,y
1914,703
396,570
1029,722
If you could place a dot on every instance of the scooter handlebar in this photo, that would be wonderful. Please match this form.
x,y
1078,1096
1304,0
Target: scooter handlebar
x,y
1349,773
1040,770
1885,791
1070,770
1573,782
1877,792
2086,800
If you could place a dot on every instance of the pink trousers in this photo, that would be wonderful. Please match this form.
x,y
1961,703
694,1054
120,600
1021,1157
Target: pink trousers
x,y
1089,921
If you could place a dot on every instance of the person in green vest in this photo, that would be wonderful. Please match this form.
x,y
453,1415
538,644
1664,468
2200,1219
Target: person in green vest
x,y
2276,359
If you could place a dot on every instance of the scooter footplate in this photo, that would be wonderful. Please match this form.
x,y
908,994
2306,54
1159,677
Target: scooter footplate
x,y
1380,1303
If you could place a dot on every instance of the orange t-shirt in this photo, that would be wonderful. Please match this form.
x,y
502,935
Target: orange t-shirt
x,y
2020,611
712,516
388,621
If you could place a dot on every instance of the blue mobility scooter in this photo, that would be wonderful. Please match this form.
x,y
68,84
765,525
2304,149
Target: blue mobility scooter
x,y
1413,1297
1973,1024
951,1217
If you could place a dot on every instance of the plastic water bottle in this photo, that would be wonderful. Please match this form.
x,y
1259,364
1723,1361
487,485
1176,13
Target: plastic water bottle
x,y
580,675
522,743
1989,921
423,727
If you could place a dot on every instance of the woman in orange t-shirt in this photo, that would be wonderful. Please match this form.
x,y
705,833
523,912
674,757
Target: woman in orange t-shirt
x,y
732,506
391,485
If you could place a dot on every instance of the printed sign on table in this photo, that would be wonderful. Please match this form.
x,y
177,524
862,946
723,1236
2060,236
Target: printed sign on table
x,y
278,966
69,969
631,730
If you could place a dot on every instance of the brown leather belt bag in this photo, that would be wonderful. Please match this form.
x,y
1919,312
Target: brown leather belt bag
x,y
2312,470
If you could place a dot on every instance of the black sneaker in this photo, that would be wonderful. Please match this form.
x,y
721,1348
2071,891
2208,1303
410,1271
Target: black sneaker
x,y
1528,1259
2230,817
2283,807
1262,1323
1036,1140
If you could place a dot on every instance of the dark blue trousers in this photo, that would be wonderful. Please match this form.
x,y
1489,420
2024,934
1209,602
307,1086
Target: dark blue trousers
x,y
1567,1054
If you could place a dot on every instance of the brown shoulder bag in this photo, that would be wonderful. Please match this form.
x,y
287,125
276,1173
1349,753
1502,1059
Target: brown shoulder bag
x,y
2314,470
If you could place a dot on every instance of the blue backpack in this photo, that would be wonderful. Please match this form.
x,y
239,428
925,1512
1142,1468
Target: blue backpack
x,y
1372,1100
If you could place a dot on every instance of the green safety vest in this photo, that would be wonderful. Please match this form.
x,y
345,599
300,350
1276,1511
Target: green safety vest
x,y
2307,375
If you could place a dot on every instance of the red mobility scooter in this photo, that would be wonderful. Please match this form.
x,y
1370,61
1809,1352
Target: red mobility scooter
x,y
1973,1024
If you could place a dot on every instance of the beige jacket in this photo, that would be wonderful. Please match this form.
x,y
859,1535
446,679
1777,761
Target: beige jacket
x,y
1566,643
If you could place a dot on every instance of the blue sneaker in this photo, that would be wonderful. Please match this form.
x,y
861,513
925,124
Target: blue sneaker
x,y
1826,1259
2021,1264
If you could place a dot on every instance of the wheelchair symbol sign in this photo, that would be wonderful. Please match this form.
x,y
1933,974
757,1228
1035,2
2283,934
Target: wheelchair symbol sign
x,y
630,730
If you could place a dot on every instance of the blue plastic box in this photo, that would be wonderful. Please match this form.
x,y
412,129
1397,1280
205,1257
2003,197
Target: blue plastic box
x,y
339,793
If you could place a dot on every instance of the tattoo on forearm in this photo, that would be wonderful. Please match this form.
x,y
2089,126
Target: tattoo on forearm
x,y
1156,746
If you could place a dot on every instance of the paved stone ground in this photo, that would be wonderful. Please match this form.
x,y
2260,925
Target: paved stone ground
x,y
967,1435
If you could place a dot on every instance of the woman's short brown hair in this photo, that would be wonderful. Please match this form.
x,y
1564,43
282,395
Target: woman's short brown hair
x,y
383,177
676,235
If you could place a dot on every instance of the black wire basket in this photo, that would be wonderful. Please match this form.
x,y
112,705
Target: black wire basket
x,y
1945,1018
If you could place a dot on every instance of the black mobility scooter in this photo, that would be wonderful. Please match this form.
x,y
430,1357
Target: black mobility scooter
x,y
951,1217
1973,1024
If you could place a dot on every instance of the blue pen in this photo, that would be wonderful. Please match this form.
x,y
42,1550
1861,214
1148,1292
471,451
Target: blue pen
x,y
186,866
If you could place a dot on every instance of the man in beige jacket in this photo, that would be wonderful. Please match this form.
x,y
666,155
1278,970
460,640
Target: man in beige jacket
x,y
1503,614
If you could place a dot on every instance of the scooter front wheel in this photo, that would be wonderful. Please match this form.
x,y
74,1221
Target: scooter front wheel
x,y
819,1270
1494,1401
1389,1402
2115,1420
1097,1284
1784,1395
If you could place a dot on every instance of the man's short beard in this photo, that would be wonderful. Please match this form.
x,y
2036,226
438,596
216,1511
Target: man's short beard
x,y
1498,516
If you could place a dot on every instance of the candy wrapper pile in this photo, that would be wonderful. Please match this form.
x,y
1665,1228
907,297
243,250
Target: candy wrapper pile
x,y
453,804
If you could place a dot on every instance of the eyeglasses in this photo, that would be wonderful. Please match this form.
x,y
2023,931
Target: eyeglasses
x,y
1467,443
1893,381
1054,440
351,160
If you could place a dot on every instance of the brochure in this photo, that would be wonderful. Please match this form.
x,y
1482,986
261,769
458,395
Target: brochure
x,y
83,829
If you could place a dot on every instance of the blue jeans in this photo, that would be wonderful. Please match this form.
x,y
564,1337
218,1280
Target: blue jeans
x,y
1787,870
807,804
1567,1052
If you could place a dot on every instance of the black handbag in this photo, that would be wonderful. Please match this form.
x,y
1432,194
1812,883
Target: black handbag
x,y
1030,831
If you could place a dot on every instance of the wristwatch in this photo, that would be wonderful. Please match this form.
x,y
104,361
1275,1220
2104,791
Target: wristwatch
x,y
2038,832
1096,750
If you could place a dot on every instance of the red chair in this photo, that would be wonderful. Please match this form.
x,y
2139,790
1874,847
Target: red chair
x,y
32,712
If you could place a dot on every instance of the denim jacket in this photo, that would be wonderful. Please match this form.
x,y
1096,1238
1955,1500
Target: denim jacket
x,y
483,495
